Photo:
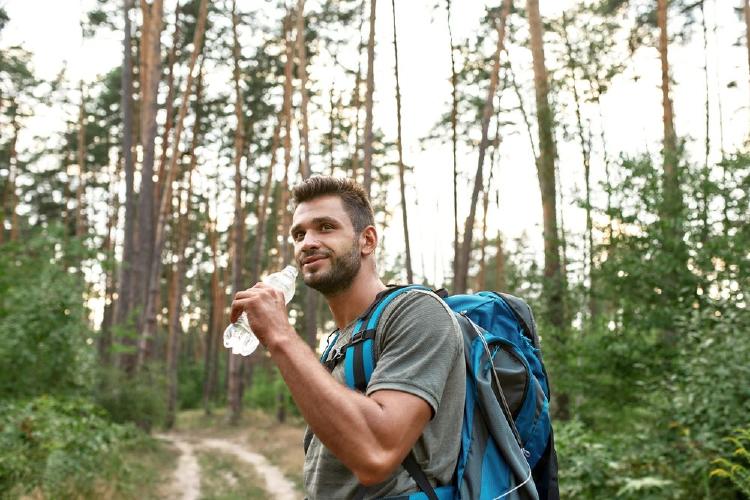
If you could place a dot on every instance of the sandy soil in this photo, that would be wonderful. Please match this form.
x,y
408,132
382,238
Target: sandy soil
x,y
186,481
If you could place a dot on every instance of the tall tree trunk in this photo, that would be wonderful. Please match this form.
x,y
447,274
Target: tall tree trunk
x,y
501,278
175,305
262,208
169,121
460,283
302,73
284,216
454,141
586,155
671,183
553,284
235,360
125,289
210,368
405,219
81,187
481,278
706,167
149,321
367,163
105,339
150,74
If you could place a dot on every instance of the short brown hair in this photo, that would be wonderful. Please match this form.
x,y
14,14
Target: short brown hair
x,y
353,196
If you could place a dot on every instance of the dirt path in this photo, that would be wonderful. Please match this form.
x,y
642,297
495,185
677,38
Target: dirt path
x,y
186,481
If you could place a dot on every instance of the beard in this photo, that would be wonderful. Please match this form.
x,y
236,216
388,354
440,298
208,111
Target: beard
x,y
340,274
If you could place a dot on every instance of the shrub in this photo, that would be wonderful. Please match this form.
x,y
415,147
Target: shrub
x,y
60,446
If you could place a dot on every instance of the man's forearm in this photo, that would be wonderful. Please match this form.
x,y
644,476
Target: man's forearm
x,y
348,423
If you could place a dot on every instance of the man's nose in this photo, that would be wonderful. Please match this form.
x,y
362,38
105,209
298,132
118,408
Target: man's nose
x,y
309,241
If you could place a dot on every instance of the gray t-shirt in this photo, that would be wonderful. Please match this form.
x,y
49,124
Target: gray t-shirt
x,y
419,350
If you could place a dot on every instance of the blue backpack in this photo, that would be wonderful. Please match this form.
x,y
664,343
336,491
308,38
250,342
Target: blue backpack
x,y
507,446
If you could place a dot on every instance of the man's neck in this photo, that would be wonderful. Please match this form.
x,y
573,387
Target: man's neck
x,y
349,304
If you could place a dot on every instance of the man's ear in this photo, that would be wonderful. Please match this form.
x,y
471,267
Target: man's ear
x,y
369,240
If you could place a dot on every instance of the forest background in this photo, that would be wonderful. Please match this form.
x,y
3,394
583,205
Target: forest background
x,y
591,158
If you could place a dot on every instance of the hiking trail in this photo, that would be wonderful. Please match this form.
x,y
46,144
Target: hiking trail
x,y
186,481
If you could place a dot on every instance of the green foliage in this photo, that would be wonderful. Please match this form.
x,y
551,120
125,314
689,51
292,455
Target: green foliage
x,y
60,445
264,392
43,325
138,398
735,465
190,390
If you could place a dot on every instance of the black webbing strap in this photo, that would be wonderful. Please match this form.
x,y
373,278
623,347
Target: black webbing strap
x,y
415,471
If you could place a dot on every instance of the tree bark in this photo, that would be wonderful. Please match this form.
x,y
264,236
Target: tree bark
x,y
125,289
460,283
671,183
302,73
149,321
216,321
105,339
169,121
262,208
553,279
501,279
367,163
175,305
454,142
586,155
481,278
405,219
150,73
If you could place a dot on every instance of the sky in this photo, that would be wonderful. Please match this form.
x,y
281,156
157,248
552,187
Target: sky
x,y
631,109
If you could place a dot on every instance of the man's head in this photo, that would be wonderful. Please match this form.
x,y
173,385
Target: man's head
x,y
333,232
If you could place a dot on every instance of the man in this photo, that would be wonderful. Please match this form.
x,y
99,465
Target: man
x,y
355,442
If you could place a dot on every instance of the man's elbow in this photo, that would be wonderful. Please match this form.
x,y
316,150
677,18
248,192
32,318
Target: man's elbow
x,y
376,468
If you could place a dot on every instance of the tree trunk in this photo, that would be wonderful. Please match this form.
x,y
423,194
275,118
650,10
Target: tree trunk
x,y
150,73
501,279
367,163
210,368
586,155
284,216
302,73
149,320
671,183
169,122
460,283
454,142
405,220
105,339
481,278
175,306
553,279
125,289
81,187
262,208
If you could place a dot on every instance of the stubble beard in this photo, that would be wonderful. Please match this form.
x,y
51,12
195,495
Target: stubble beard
x,y
340,275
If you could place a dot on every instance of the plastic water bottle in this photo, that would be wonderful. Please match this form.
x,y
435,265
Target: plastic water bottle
x,y
238,336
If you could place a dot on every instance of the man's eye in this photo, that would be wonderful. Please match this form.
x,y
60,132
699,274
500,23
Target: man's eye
x,y
326,227
298,236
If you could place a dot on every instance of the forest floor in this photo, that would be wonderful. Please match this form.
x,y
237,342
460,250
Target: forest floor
x,y
257,459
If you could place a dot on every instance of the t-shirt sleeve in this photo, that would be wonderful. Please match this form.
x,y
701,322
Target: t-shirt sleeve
x,y
419,344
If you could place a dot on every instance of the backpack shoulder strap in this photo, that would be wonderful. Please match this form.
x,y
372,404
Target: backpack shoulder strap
x,y
359,352
523,314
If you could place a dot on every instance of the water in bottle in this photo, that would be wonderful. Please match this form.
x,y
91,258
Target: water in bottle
x,y
238,336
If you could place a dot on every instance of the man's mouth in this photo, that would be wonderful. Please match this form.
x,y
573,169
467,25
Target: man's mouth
x,y
313,258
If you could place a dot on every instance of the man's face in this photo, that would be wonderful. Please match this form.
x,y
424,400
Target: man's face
x,y
325,246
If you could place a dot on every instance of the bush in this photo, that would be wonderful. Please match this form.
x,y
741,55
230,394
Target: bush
x,y
42,322
138,398
60,446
